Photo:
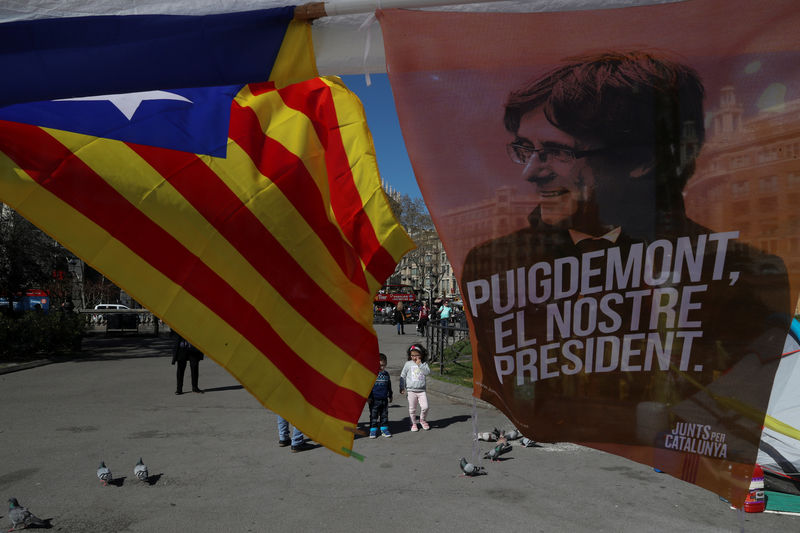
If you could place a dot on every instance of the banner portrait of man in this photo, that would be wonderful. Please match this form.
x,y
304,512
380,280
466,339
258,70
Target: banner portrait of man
x,y
612,293
615,298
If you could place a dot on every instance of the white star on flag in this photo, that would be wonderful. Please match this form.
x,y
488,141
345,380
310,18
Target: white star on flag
x,y
128,103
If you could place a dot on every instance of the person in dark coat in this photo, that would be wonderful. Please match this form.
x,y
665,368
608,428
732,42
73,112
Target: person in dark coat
x,y
185,352
399,319
379,399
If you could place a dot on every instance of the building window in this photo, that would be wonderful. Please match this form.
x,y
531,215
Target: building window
x,y
768,205
741,208
769,229
739,161
766,155
768,183
740,188
773,246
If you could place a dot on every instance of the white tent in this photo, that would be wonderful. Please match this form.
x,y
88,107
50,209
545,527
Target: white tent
x,y
347,42
779,453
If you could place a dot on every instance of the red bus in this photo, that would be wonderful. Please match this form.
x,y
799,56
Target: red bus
x,y
395,294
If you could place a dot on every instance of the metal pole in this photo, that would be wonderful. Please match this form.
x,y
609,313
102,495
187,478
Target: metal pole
x,y
316,10
441,349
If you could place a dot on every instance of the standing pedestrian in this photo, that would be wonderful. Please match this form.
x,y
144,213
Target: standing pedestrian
x,y
379,400
398,317
412,381
298,440
422,321
184,352
444,315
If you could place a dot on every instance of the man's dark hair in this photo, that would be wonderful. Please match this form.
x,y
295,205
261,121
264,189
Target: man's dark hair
x,y
626,101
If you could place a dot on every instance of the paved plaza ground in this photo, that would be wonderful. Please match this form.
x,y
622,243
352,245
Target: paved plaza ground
x,y
217,466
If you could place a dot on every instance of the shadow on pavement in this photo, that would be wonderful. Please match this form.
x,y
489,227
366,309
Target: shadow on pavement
x,y
218,389
101,348
404,424
444,422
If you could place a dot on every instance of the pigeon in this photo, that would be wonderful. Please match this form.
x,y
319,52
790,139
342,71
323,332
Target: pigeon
x,y
140,470
493,453
514,434
497,451
19,515
487,436
470,469
103,473
527,443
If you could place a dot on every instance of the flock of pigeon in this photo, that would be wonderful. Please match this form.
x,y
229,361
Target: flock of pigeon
x,y
503,446
104,473
22,518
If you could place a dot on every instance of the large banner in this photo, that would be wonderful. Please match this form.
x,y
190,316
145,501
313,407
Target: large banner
x,y
616,191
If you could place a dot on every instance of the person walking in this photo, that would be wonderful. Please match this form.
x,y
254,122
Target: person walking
x,y
184,352
379,399
412,382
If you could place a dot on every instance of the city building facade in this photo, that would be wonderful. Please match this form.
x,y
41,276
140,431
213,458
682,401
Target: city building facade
x,y
748,178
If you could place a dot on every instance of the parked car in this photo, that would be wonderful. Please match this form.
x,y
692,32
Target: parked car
x,y
111,306
96,318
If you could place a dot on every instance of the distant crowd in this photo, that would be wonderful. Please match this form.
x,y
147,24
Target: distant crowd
x,y
387,312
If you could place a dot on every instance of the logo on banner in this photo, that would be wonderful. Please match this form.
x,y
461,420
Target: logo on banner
x,y
700,439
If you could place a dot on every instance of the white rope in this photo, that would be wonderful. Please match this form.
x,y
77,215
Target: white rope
x,y
475,450
368,24
353,7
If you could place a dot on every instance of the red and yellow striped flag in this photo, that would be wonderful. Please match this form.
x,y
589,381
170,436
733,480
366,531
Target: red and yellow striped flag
x,y
264,251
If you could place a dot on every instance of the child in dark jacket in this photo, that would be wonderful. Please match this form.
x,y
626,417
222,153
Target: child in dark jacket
x,y
379,400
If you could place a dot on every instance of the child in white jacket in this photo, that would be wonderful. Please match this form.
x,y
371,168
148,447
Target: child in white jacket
x,y
412,379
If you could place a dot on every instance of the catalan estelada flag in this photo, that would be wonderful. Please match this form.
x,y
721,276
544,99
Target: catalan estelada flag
x,y
250,218
114,54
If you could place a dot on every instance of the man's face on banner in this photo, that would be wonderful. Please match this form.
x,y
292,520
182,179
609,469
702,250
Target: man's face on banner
x,y
589,192
565,186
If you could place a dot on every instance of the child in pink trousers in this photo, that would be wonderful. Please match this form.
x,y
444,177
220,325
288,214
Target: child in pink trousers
x,y
412,381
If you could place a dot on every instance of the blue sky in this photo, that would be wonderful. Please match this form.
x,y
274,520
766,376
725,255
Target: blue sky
x,y
393,160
